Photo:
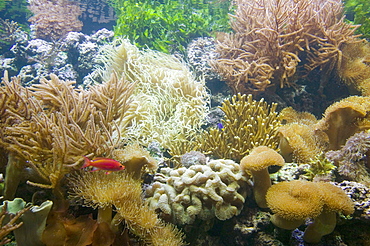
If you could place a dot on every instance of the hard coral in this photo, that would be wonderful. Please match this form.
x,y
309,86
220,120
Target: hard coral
x,y
53,19
273,38
217,189
247,124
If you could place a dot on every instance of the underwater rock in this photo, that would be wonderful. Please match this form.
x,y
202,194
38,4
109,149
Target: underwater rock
x,y
70,58
360,195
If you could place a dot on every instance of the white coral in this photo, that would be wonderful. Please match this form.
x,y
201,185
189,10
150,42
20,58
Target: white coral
x,y
217,189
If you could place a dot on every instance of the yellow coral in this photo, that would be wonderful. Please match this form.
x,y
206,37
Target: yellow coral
x,y
247,124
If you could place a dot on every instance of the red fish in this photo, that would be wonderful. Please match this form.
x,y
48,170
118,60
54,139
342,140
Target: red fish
x,y
101,163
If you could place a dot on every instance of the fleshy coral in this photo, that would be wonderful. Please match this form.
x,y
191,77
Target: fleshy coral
x,y
168,105
217,189
52,125
120,190
273,38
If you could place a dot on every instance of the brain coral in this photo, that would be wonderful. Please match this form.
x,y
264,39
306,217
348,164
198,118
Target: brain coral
x,y
217,189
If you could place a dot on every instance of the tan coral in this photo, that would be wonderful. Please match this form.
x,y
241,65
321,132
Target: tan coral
x,y
293,202
343,119
273,38
120,190
257,162
217,189
136,160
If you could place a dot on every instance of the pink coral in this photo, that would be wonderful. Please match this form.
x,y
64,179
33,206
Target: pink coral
x,y
53,19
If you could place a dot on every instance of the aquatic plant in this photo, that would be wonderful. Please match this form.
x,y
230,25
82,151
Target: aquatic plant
x,y
169,25
274,39
358,12
247,124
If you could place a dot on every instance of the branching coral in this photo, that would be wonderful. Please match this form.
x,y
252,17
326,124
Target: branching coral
x,y
217,189
273,38
53,19
120,190
52,124
247,124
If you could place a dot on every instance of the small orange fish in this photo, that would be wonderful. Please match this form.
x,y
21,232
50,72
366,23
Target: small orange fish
x,y
101,163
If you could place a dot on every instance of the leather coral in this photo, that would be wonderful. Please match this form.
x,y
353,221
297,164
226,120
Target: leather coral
x,y
273,38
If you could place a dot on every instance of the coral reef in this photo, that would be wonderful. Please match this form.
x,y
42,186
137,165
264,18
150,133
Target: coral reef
x,y
217,189
199,54
247,124
54,19
274,39
352,159
360,195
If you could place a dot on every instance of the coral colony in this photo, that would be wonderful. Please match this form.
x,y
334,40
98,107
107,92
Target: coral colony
x,y
173,122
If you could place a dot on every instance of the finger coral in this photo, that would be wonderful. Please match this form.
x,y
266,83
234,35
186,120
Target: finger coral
x,y
217,189
273,38
247,124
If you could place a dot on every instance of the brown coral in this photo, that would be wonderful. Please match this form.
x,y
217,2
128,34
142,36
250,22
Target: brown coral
x,y
53,19
272,38
52,124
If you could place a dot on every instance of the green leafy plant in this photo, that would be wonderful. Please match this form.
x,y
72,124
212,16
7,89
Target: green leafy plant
x,y
358,12
169,25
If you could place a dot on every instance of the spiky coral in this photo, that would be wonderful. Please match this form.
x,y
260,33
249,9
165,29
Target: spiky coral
x,y
124,193
247,124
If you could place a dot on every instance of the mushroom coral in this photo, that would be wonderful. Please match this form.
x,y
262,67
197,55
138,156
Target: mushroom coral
x,y
343,119
335,201
257,162
295,201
